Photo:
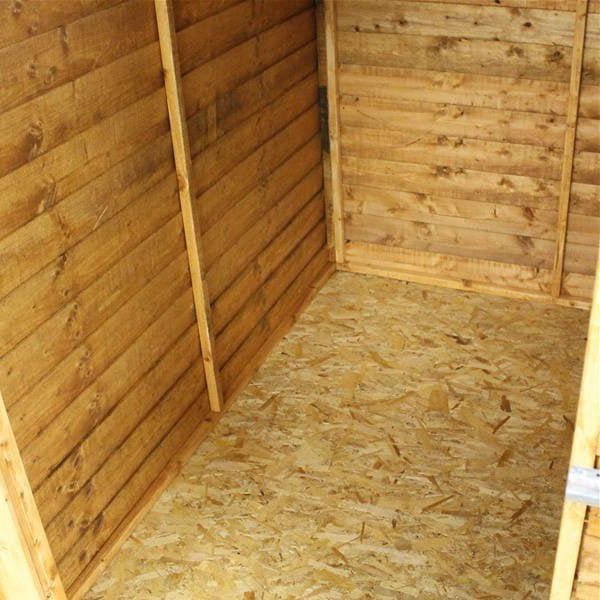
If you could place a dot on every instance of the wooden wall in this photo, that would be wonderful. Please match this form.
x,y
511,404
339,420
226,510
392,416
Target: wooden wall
x,y
453,121
101,367
99,355
249,77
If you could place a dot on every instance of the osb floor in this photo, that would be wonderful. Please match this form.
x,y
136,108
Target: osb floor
x,y
400,442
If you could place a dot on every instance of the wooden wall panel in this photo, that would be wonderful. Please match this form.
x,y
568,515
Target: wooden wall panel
x,y
100,362
250,89
453,121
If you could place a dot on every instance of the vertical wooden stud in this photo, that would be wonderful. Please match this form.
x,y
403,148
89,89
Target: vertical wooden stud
x,y
569,146
183,165
583,454
27,566
334,130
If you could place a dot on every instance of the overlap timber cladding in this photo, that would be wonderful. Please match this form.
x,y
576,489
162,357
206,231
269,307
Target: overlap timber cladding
x,y
251,98
453,123
100,364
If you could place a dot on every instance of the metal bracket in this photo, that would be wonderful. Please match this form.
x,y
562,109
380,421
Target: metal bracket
x,y
324,113
583,485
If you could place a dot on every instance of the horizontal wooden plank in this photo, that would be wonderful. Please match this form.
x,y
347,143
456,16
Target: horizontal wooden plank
x,y
227,152
259,303
55,285
459,152
259,269
188,12
562,5
39,125
581,259
584,199
280,315
82,415
244,175
465,89
421,118
81,368
86,458
202,85
30,248
235,258
230,27
19,21
446,239
491,22
588,134
589,101
586,168
43,62
159,449
577,285
482,216
513,190
238,104
479,57
41,183
79,318
464,269
245,213
396,271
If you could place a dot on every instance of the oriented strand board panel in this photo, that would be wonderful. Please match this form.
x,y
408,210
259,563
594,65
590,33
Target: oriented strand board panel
x,y
452,132
249,77
99,355
379,457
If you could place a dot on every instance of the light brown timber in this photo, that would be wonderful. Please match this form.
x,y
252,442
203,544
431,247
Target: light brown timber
x,y
183,164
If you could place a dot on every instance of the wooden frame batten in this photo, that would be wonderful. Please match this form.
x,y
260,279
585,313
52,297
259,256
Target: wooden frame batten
x,y
181,150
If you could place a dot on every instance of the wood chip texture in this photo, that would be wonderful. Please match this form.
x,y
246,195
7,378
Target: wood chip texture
x,y
400,442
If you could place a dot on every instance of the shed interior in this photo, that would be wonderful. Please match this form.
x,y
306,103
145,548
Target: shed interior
x,y
179,180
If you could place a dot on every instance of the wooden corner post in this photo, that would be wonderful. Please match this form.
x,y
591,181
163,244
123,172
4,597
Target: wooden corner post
x,y
333,98
27,566
569,146
183,165
583,454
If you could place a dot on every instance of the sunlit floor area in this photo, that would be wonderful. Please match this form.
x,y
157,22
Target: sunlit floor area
x,y
401,441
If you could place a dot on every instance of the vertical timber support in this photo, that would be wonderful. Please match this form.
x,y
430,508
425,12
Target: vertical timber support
x,y
27,566
569,146
333,98
183,165
583,454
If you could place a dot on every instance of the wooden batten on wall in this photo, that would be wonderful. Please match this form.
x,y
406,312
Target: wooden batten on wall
x,y
569,146
189,213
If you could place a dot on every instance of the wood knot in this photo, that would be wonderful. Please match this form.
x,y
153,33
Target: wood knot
x,y
555,56
35,137
515,51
